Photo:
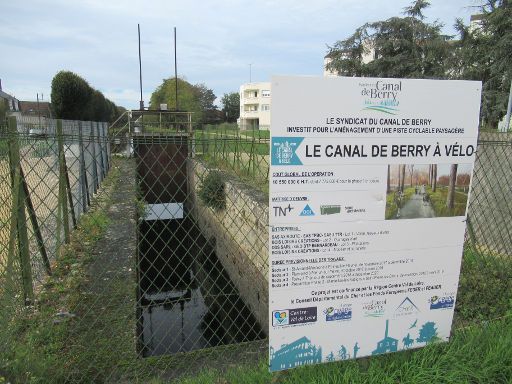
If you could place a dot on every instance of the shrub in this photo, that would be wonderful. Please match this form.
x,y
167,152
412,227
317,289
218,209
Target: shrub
x,y
212,191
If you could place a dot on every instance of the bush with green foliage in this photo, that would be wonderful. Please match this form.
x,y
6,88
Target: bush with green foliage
x,y
212,191
73,98
196,98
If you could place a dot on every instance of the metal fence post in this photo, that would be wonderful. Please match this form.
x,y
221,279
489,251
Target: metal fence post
x,y
82,178
102,160
104,128
35,224
63,198
94,163
18,218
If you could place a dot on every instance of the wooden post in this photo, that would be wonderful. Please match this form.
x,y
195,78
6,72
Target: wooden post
x,y
18,231
63,198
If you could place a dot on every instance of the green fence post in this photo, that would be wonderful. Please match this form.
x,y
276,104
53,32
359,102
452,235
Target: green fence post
x,y
252,156
35,225
18,218
82,171
63,197
94,160
102,161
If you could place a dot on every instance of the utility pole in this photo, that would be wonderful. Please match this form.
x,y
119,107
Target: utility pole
x,y
38,109
176,70
141,102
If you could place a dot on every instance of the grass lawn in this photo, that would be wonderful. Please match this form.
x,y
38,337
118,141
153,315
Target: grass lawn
x,y
438,201
477,354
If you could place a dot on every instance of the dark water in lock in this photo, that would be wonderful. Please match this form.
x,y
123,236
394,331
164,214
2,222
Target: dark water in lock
x,y
186,299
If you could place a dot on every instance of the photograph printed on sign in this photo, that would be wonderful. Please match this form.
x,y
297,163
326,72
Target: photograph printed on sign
x,y
419,191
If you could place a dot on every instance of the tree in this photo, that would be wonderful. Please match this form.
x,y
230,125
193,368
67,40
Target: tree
x,y
191,98
428,333
485,53
73,98
402,177
434,178
401,46
70,96
450,199
411,173
231,106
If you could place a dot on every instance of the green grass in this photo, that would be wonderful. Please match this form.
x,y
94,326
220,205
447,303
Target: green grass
x,y
485,287
391,206
479,354
36,349
438,202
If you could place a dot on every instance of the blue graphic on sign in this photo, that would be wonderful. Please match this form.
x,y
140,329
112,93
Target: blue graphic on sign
x,y
337,314
428,333
298,352
442,302
283,150
387,344
307,211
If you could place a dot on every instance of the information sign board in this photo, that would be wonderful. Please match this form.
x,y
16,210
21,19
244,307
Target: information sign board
x,y
369,186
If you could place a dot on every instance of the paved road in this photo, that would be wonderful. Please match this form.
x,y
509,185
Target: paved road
x,y
415,207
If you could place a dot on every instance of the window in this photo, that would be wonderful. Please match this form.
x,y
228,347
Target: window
x,y
265,93
265,107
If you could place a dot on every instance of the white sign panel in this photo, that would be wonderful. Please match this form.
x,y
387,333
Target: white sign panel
x,y
369,185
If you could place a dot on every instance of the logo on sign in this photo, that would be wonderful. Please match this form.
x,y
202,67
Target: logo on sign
x,y
307,211
282,211
343,313
295,316
443,302
382,96
406,307
283,150
280,318
374,308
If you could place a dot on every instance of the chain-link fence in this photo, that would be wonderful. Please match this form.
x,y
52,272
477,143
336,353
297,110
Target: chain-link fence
x,y
145,257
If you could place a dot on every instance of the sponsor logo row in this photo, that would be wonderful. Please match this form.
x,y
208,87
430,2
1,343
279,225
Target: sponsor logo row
x,y
343,312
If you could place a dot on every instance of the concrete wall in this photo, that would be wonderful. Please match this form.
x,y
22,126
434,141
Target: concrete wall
x,y
240,232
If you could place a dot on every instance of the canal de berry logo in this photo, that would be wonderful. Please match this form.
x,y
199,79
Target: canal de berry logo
x,y
280,318
381,96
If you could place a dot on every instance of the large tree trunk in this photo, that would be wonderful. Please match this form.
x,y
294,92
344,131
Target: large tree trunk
x,y
451,188
388,189
434,177
402,177
430,174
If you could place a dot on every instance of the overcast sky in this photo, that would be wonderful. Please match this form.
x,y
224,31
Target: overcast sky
x,y
217,40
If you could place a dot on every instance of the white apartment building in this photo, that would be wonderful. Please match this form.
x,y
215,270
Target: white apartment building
x,y
255,106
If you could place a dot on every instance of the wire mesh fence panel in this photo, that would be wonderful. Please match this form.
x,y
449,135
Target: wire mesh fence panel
x,y
145,256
